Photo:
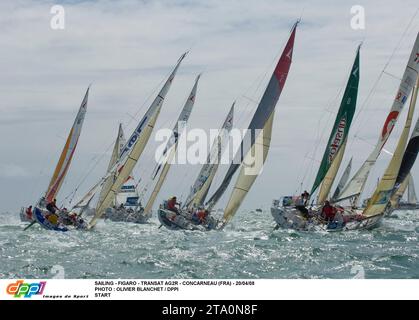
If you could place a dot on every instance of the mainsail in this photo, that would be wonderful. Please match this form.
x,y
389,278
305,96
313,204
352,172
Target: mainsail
x,y
382,195
205,177
336,145
260,124
357,184
171,147
343,181
119,144
134,147
68,151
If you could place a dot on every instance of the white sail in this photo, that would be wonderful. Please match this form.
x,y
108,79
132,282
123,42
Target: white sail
x,y
343,180
357,184
205,177
245,180
171,147
134,147
411,192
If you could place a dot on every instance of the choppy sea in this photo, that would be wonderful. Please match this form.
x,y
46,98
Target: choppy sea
x,y
248,248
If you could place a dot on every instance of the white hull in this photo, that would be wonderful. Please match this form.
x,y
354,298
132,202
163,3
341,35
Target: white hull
x,y
183,221
127,215
291,218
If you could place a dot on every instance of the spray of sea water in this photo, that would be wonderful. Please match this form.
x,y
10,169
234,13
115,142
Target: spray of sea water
x,y
248,248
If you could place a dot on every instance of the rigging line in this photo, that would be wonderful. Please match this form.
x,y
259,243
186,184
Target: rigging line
x,y
329,112
102,155
320,136
47,159
374,87
392,75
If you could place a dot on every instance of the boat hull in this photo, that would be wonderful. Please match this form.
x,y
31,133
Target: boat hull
x,y
291,218
124,215
173,221
40,217
407,206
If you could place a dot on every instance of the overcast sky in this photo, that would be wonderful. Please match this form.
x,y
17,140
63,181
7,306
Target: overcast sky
x,y
126,48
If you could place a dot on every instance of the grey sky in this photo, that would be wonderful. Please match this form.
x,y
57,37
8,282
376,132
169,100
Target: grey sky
x,y
127,47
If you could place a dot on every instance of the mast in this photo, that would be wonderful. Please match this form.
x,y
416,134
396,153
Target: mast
x,y
134,147
68,151
335,149
385,189
205,177
260,124
171,147
357,184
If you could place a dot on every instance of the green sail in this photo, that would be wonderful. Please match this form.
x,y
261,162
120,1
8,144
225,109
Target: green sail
x,y
342,123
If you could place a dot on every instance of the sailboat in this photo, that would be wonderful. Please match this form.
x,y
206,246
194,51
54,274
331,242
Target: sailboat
x,y
294,215
380,202
127,200
135,212
61,220
404,179
129,155
353,190
201,186
256,143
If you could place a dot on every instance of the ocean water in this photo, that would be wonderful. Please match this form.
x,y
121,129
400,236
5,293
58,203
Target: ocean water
x,y
248,248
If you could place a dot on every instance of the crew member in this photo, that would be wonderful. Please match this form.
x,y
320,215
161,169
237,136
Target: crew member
x,y
52,206
171,205
328,211
29,212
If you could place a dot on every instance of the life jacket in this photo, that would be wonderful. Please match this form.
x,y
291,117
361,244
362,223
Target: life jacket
x,y
29,212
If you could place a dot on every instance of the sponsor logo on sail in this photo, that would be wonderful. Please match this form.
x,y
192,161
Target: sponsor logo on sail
x,y
401,97
20,289
337,139
389,124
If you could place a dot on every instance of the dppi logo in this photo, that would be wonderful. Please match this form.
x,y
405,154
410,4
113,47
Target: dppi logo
x,y
27,290
337,139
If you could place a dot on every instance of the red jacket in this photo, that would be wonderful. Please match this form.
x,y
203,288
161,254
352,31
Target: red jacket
x,y
329,212
171,204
